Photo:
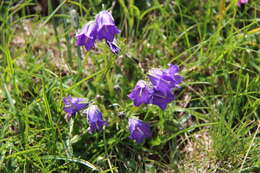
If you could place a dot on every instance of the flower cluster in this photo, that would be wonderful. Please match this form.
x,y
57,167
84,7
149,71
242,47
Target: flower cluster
x,y
240,2
157,92
72,105
138,129
160,94
102,28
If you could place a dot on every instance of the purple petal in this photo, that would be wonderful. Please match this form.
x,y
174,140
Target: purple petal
x,y
165,80
139,130
161,100
106,28
87,35
95,119
89,44
73,105
141,93
113,47
81,40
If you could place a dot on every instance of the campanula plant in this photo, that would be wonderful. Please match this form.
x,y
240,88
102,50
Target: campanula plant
x,y
106,28
87,35
139,130
102,28
141,94
163,81
95,119
161,99
73,105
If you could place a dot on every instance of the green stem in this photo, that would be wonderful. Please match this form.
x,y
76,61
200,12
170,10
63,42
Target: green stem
x,y
67,37
68,142
54,24
74,16
106,151
109,66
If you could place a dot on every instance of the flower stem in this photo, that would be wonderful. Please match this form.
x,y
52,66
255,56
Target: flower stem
x,y
75,22
106,151
108,74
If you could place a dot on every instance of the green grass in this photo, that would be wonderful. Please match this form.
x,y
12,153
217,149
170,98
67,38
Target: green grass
x,y
212,126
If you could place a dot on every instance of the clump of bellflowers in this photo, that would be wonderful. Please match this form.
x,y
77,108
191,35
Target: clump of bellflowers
x,y
103,28
73,105
159,92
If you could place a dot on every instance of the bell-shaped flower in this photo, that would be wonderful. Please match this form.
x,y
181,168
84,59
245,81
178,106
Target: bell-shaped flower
x,y
106,28
161,99
113,47
139,130
165,80
73,105
87,35
141,93
240,2
95,119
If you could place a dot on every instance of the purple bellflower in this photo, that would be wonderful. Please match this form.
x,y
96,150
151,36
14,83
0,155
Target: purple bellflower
x,y
239,2
138,130
95,119
106,28
113,47
73,105
165,80
141,93
161,99
87,35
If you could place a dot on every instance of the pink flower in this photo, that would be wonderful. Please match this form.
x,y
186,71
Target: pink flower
x,y
241,2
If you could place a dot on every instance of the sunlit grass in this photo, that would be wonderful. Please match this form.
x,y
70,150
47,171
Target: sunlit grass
x,y
211,126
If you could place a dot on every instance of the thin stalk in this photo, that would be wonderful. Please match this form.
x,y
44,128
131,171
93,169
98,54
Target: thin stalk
x,y
109,64
75,23
54,24
68,142
67,37
106,151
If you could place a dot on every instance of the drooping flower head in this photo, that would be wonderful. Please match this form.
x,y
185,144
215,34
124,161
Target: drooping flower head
x,y
239,2
95,119
162,99
113,47
138,130
141,93
106,28
165,80
73,105
87,35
